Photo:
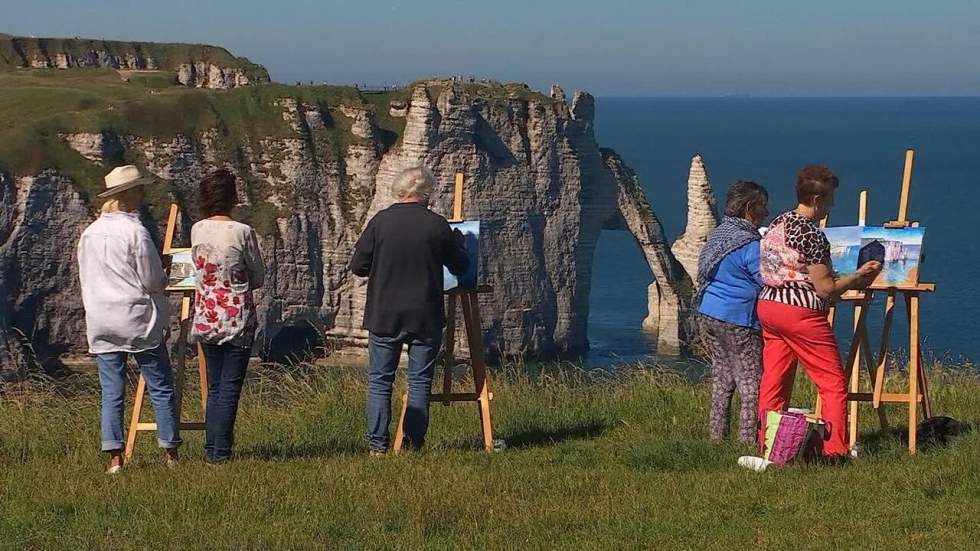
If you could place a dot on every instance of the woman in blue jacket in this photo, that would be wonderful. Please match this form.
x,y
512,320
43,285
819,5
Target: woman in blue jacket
x,y
728,287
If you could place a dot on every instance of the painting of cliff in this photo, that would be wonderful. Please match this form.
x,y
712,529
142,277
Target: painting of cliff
x,y
468,280
898,249
182,275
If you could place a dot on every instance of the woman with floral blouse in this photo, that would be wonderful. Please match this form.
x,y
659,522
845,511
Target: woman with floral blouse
x,y
229,267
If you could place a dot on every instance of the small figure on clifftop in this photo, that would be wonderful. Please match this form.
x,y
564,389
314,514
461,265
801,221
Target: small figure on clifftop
x,y
799,286
126,312
402,252
728,288
228,267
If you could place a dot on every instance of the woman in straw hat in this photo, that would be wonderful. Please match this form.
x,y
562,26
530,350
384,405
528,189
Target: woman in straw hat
x,y
126,312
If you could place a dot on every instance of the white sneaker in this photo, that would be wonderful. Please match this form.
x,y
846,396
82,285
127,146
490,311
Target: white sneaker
x,y
114,469
754,463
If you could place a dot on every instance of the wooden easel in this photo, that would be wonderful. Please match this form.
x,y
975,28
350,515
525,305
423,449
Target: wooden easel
x,y
469,301
135,426
861,345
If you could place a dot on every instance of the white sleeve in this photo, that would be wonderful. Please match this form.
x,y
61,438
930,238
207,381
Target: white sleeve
x,y
149,268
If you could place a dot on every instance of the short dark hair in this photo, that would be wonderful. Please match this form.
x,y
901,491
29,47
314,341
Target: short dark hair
x,y
216,194
815,180
743,195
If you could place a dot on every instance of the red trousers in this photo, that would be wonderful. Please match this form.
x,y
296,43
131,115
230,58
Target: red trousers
x,y
794,333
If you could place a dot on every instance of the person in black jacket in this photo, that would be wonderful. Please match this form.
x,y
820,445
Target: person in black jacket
x,y
402,252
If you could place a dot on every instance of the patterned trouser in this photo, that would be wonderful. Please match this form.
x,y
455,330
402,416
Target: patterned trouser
x,y
736,362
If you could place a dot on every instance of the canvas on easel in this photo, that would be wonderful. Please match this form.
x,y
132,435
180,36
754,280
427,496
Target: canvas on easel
x,y
182,275
471,234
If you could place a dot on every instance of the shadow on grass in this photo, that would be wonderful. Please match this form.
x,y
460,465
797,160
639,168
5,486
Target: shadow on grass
x,y
302,450
933,434
539,437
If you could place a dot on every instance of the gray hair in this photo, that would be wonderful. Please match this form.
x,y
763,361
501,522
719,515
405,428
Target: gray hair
x,y
417,181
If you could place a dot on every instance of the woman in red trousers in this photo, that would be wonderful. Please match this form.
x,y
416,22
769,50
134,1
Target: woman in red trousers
x,y
799,285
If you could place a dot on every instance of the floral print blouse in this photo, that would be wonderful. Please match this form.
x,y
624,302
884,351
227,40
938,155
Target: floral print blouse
x,y
792,244
228,267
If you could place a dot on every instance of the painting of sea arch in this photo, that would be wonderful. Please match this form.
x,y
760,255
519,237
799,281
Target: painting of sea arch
x,y
471,232
899,250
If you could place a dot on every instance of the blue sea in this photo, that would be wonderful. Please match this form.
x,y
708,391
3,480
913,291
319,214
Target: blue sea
x,y
767,140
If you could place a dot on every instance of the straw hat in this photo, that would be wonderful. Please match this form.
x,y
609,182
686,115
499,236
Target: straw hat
x,y
123,178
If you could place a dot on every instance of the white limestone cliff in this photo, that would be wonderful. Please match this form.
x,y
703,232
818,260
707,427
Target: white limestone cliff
x,y
702,218
535,178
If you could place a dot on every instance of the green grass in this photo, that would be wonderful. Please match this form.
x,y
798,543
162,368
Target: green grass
x,y
594,461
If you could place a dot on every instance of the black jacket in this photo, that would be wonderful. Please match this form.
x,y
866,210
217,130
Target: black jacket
x,y
402,252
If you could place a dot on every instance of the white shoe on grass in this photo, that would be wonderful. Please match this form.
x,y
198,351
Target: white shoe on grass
x,y
754,463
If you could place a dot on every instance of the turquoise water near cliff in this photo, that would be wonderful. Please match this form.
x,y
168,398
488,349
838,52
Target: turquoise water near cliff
x,y
767,140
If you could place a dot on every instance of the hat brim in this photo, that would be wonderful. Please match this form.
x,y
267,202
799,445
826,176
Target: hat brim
x,y
127,186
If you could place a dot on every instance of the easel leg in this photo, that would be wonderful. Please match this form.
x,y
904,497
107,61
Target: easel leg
x,y
879,380
924,388
869,364
449,350
400,431
854,367
202,373
471,316
185,322
912,304
137,410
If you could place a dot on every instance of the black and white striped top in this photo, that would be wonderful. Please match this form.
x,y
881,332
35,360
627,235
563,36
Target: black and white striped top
x,y
792,243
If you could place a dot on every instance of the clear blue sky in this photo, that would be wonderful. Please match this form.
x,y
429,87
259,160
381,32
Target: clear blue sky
x,y
609,47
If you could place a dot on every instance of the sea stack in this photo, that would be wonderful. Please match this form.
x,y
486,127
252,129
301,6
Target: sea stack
x,y
702,218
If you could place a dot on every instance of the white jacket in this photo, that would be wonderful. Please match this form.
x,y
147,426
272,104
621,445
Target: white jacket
x,y
123,281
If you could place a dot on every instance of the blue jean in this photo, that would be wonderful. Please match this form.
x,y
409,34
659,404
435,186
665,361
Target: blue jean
x,y
383,355
226,374
155,367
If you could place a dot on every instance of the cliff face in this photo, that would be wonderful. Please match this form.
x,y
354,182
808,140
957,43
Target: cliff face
x,y
535,178
198,66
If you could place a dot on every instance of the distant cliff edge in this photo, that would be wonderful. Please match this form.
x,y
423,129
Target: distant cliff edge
x,y
194,65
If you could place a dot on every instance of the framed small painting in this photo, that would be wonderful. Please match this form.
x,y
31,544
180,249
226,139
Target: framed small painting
x,y
182,275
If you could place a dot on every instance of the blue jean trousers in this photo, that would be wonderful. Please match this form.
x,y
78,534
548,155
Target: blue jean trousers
x,y
155,367
383,355
226,374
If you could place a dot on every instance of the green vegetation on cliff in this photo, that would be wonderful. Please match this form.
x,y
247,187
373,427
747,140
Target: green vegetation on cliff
x,y
40,107
16,51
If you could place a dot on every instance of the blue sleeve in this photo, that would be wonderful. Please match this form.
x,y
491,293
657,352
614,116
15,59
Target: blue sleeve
x,y
751,261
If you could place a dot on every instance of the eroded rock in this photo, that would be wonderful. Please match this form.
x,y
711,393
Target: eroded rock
x,y
535,178
702,218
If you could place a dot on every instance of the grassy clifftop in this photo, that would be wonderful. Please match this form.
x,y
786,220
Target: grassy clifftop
x,y
20,51
38,106
593,461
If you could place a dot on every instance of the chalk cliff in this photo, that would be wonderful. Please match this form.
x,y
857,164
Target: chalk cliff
x,y
535,177
702,218
195,65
